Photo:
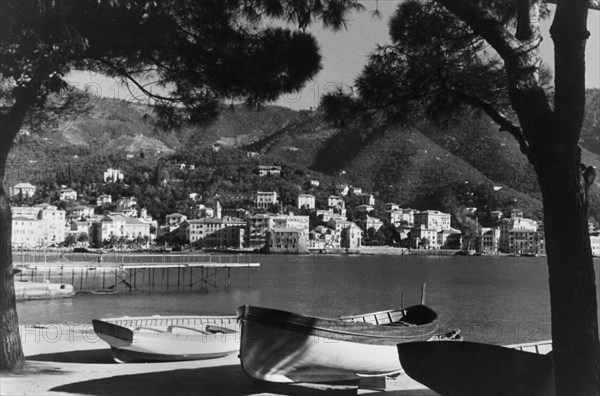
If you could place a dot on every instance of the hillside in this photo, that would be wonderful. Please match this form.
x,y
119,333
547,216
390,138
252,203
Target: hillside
x,y
466,162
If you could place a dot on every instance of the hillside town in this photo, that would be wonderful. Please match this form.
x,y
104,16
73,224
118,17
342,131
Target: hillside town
x,y
308,229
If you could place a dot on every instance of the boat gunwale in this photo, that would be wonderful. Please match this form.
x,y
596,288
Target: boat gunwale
x,y
362,332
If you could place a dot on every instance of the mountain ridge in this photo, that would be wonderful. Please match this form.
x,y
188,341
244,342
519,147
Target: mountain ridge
x,y
417,166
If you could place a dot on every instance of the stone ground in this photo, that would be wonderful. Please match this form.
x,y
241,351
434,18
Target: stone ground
x,y
65,359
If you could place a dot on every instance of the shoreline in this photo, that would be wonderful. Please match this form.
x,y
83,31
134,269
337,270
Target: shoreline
x,y
69,359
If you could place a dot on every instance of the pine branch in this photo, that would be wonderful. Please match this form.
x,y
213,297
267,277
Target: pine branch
x,y
505,123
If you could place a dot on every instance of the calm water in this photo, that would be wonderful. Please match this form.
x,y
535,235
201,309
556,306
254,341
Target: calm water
x,y
497,300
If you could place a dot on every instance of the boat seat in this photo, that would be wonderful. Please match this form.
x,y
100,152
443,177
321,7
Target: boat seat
x,y
194,329
152,329
219,329
400,323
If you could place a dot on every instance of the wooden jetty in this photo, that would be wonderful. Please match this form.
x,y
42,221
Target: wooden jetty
x,y
110,273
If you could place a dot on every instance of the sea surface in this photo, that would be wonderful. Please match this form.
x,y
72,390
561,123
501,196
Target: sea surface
x,y
499,300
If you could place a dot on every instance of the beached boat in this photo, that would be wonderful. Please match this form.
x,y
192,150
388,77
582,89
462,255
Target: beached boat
x,y
279,346
25,290
169,338
476,369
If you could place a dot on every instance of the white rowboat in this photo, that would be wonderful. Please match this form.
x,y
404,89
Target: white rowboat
x,y
169,338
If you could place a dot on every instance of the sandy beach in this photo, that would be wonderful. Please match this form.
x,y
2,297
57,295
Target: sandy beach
x,y
69,359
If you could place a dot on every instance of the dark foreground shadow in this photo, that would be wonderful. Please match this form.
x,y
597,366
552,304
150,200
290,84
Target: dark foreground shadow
x,y
97,356
224,380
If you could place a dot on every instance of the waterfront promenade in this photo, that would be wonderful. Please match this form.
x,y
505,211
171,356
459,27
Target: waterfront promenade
x,y
70,360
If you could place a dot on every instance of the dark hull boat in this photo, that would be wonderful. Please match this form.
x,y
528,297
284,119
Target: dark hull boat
x,y
279,346
475,369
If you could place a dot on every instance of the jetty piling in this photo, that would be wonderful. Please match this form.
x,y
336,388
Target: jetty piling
x,y
129,273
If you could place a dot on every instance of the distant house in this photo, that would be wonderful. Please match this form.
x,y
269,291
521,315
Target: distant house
x,y
401,217
67,194
306,201
174,219
24,189
490,240
113,175
423,237
126,202
496,215
264,199
343,189
350,233
83,211
103,199
366,199
201,211
315,183
372,222
335,202
266,170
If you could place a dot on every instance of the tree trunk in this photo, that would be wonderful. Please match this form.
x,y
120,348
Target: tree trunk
x,y
11,351
564,182
576,346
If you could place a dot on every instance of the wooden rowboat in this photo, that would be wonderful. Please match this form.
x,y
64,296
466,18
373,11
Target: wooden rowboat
x,y
475,369
280,346
168,338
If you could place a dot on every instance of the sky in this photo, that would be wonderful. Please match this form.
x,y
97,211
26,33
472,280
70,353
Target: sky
x,y
346,52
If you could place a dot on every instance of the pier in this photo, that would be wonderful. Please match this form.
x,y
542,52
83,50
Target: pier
x,y
118,272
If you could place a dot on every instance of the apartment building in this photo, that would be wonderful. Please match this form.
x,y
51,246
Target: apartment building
x,y
117,226
287,240
432,219
264,199
213,232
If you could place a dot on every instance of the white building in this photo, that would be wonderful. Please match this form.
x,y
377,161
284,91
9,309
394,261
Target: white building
x,y
490,240
306,201
335,202
26,232
118,226
517,233
432,219
113,175
83,211
51,226
595,242
400,217
67,194
264,199
25,189
103,199
350,233
423,237
266,170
